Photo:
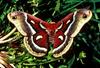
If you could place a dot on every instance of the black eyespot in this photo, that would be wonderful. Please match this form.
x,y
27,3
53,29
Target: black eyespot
x,y
84,16
14,17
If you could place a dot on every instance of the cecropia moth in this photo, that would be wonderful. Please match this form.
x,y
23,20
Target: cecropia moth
x,y
39,34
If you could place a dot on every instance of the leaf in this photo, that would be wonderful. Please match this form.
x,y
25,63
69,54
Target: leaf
x,y
96,20
51,66
82,55
14,1
71,61
96,59
63,66
97,10
57,8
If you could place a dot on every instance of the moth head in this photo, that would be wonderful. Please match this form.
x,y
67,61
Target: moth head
x,y
16,17
83,15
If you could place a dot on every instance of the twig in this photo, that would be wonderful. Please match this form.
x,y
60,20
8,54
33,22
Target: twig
x,y
43,63
8,40
9,34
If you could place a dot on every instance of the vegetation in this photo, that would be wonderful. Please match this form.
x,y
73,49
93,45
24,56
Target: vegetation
x,y
86,47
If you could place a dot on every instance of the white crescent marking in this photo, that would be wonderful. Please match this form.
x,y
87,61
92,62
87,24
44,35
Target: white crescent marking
x,y
36,46
60,45
42,26
32,21
68,21
60,26
61,37
39,37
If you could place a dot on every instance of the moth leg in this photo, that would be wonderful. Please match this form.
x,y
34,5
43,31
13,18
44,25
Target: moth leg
x,y
32,48
60,53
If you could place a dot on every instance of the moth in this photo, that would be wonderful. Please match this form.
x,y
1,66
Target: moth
x,y
39,34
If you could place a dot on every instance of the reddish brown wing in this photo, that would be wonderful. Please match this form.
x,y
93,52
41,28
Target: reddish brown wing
x,y
62,42
38,43
66,21
72,24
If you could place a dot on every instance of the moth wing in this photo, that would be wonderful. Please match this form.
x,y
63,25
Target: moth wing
x,y
36,44
63,42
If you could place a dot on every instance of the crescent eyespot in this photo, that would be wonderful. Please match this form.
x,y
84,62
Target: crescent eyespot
x,y
39,37
33,22
61,37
